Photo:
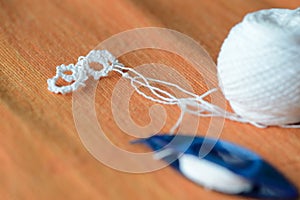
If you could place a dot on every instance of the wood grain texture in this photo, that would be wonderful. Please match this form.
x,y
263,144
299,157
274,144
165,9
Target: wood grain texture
x,y
41,154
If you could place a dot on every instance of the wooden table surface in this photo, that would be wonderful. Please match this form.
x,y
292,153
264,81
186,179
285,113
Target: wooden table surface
x,y
41,154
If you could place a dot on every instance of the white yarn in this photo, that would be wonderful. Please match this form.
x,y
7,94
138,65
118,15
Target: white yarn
x,y
213,176
259,67
194,104
216,177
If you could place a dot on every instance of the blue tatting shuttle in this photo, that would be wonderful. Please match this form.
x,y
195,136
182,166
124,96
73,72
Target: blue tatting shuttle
x,y
221,166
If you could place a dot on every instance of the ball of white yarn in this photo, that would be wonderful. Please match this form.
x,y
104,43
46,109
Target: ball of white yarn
x,y
259,67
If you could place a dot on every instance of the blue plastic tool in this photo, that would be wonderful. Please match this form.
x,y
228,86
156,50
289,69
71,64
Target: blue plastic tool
x,y
247,173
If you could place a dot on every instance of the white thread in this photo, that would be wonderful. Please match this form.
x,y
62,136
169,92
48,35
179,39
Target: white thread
x,y
259,67
192,167
82,70
193,104
212,176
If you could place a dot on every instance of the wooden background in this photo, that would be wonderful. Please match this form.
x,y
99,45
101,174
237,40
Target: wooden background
x,y
41,154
